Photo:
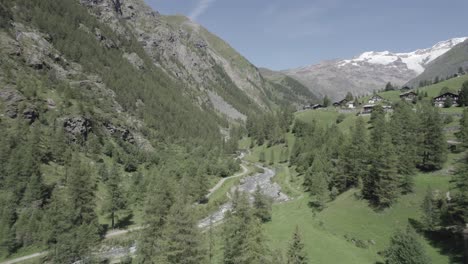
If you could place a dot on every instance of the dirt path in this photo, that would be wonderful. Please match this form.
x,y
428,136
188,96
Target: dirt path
x,y
115,233
25,258
221,182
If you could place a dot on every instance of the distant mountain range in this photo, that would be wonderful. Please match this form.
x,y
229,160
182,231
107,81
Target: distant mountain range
x,y
371,70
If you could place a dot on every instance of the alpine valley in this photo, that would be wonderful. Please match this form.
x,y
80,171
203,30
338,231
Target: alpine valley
x,y
130,136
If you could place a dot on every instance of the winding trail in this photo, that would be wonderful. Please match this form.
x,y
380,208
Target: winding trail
x,y
221,182
115,233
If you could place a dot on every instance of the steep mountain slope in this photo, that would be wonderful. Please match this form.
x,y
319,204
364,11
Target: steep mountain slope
x,y
445,66
288,88
214,74
369,71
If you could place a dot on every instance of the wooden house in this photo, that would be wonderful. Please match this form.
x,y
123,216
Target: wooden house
x,y
376,99
341,103
409,96
443,100
367,109
405,89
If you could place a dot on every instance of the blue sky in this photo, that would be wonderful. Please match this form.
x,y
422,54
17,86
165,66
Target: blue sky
x,y
282,34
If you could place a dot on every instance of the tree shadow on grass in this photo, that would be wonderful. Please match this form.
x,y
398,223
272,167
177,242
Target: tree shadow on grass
x,y
125,221
448,242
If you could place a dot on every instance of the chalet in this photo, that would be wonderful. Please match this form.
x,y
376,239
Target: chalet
x,y
409,96
405,89
367,109
446,99
340,103
350,105
375,99
317,106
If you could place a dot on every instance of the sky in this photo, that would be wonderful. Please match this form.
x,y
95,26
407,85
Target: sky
x,y
284,34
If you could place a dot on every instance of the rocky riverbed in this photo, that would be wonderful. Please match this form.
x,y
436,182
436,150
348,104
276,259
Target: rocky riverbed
x,y
249,185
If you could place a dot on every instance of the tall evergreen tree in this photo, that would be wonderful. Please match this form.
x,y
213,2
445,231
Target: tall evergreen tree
x,y
463,133
296,253
262,205
405,248
431,215
182,243
244,242
116,201
463,98
159,200
432,145
355,156
460,184
404,135
317,182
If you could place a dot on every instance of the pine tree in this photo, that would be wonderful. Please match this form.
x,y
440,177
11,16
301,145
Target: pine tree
x,y
463,97
432,144
116,201
326,101
296,253
244,242
403,133
431,215
261,157
317,181
460,203
272,157
182,243
158,203
383,180
405,248
463,133
262,205
355,156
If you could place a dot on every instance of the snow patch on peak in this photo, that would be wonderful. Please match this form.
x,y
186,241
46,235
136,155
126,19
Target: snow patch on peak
x,y
416,60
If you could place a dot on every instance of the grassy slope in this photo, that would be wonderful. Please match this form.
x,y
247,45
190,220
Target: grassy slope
x,y
453,84
324,232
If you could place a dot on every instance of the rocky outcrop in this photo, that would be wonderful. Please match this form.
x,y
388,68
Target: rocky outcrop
x,y
121,132
77,127
12,99
31,114
135,60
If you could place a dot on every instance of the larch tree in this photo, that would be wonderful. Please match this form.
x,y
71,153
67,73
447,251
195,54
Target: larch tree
x,y
182,238
405,248
158,204
116,201
296,253
432,145
262,205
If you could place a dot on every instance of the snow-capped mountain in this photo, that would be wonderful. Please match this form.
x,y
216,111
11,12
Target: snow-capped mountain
x,y
369,71
415,60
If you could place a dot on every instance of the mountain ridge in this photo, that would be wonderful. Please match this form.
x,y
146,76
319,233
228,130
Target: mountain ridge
x,y
368,71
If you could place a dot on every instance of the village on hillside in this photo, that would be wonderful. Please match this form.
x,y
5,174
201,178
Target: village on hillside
x,y
365,105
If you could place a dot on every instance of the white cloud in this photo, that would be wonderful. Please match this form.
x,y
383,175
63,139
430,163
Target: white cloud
x,y
201,7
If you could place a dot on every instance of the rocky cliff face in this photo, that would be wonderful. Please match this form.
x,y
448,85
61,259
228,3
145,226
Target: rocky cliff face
x,y
189,53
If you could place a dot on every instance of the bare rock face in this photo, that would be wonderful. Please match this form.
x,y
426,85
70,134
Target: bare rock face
x,y
182,48
135,60
12,99
78,127
121,132
8,45
31,114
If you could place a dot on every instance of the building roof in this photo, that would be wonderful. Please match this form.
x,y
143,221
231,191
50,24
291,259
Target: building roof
x,y
407,93
446,94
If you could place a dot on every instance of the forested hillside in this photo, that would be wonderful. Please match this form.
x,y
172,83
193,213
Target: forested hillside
x,y
127,136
